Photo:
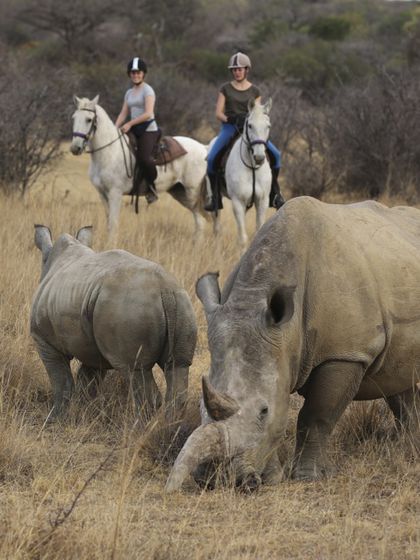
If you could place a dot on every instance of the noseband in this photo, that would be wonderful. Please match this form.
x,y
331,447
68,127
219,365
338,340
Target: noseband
x,y
91,131
250,144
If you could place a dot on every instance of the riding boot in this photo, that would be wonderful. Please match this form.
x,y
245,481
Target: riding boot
x,y
276,198
214,202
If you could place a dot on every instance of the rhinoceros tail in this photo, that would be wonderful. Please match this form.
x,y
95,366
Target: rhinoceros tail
x,y
181,327
170,310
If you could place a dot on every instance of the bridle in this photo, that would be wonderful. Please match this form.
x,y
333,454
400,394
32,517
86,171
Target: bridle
x,y
121,137
253,167
249,145
91,131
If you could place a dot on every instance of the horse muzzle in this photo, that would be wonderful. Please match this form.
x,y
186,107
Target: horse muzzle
x,y
259,158
78,145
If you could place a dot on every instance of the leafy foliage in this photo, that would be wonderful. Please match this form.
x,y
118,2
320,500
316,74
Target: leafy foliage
x,y
330,28
32,123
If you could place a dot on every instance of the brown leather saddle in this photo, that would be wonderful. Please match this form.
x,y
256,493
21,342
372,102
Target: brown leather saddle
x,y
166,149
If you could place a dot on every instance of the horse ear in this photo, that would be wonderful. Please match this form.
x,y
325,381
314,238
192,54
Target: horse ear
x,y
251,105
76,100
268,105
95,100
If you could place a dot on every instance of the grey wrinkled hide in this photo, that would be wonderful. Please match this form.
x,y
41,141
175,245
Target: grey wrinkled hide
x,y
110,310
326,302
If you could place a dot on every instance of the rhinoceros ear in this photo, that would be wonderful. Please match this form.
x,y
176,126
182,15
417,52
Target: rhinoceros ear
x,y
43,240
280,305
84,235
208,291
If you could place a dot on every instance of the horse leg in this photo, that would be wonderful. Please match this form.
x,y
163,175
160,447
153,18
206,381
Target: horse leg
x,y
239,213
114,203
261,207
104,199
217,225
200,223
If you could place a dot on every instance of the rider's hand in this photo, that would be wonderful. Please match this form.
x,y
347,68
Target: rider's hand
x,y
126,127
240,121
231,119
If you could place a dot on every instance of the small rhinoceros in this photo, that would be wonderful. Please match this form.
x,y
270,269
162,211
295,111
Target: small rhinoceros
x,y
325,302
110,310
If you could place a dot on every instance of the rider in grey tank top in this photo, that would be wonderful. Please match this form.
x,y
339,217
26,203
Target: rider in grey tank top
x,y
136,103
138,117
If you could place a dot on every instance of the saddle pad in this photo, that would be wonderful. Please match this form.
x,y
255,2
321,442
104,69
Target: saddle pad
x,y
167,150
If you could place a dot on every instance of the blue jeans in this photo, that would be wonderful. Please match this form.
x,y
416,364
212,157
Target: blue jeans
x,y
227,131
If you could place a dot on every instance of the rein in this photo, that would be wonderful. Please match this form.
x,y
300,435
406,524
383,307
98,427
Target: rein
x,y
249,144
92,129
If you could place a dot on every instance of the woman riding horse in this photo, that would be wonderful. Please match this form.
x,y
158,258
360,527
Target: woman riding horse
x,y
231,110
138,106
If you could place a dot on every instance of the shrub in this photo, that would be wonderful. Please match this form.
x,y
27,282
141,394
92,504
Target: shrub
x,y
32,119
373,136
318,66
209,65
331,28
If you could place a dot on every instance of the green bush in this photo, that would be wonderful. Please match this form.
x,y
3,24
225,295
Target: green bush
x,y
331,28
266,30
393,25
320,65
209,65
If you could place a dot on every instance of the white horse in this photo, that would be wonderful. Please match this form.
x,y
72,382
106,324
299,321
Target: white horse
x,y
112,164
247,172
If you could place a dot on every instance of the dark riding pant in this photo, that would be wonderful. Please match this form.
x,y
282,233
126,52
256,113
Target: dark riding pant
x,y
146,141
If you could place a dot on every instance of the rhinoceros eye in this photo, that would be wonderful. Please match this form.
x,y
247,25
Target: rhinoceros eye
x,y
263,412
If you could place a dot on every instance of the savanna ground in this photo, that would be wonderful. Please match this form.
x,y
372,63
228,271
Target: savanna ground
x,y
93,488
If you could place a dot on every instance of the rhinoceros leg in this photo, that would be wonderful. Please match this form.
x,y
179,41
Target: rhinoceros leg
x,y
406,409
145,391
59,372
88,380
176,390
328,391
273,472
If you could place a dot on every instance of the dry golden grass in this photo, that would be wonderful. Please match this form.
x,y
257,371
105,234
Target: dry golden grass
x,y
93,488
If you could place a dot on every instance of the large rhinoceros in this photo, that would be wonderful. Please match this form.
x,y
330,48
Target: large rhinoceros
x,y
325,302
110,310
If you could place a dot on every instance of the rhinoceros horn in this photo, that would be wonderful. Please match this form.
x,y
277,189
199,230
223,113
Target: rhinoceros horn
x,y
219,405
205,443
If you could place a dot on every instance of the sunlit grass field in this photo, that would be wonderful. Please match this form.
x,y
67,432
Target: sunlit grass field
x,y
93,487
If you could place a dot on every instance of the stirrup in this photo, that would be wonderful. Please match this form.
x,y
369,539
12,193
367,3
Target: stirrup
x,y
209,206
151,195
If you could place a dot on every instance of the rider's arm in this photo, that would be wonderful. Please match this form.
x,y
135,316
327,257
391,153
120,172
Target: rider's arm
x,y
220,108
123,115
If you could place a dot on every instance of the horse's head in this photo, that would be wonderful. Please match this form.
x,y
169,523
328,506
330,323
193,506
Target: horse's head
x,y
84,123
257,129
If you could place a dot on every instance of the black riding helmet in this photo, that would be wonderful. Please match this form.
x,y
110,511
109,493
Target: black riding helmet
x,y
136,63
